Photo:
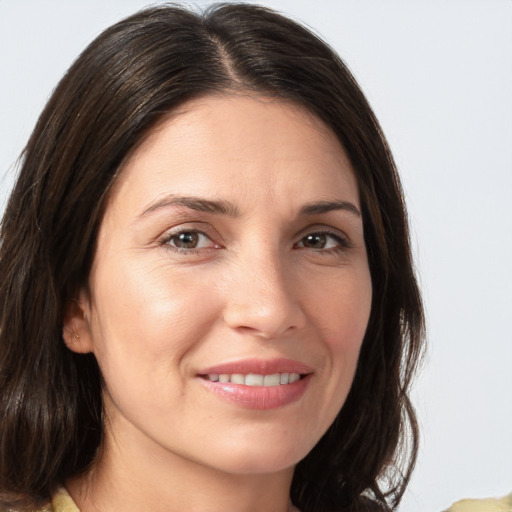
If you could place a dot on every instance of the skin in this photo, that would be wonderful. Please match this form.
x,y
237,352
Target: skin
x,y
255,286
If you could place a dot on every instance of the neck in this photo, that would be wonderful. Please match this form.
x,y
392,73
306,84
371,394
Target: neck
x,y
132,473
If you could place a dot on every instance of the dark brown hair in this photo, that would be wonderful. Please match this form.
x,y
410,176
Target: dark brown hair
x,y
131,76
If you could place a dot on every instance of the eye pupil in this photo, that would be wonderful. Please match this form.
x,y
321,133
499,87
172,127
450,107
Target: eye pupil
x,y
315,241
187,240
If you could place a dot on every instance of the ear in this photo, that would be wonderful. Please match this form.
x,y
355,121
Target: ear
x,y
76,328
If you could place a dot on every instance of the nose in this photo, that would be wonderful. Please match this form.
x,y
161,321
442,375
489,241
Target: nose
x,y
262,298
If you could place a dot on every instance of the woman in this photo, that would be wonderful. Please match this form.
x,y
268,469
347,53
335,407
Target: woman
x,y
208,300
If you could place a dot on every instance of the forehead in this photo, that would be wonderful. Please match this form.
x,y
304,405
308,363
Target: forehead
x,y
239,145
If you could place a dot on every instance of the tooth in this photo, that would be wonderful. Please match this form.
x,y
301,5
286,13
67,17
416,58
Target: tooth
x,y
271,380
253,380
238,378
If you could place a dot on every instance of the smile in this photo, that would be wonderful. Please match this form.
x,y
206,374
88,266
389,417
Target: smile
x,y
258,384
252,379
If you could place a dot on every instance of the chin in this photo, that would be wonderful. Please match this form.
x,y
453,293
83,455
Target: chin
x,y
263,457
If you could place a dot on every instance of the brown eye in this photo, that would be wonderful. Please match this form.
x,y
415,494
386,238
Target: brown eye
x,y
322,241
186,240
315,241
189,240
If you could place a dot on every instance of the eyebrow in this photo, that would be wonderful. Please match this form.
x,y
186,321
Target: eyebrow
x,y
329,206
194,203
226,208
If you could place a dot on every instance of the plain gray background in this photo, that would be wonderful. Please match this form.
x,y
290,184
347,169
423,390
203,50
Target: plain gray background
x,y
439,76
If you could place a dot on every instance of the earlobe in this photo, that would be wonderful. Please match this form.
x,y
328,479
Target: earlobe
x,y
76,330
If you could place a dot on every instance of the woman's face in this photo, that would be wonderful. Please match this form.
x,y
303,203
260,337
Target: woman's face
x,y
230,263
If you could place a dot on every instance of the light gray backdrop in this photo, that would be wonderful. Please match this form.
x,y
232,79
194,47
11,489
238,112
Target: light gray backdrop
x,y
439,76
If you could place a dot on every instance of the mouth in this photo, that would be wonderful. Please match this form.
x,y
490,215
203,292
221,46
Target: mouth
x,y
256,384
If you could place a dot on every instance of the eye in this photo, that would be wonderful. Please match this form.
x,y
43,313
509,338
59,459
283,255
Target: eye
x,y
322,241
189,240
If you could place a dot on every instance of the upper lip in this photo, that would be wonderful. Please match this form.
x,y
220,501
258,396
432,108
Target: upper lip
x,y
258,367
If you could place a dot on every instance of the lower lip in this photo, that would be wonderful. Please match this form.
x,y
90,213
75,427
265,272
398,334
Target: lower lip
x,y
259,397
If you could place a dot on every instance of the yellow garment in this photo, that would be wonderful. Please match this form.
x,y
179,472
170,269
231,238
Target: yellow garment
x,y
62,502
488,505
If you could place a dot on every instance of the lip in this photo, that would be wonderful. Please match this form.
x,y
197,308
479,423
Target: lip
x,y
260,367
258,397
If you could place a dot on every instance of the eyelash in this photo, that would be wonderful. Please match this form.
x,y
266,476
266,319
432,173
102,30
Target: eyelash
x,y
342,243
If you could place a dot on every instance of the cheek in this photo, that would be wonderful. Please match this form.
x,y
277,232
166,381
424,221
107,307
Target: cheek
x,y
342,314
345,311
345,319
146,316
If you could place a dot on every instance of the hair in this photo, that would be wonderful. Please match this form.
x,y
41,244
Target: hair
x,y
127,80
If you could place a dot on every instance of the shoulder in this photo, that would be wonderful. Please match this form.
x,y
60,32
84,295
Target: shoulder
x,y
485,505
62,502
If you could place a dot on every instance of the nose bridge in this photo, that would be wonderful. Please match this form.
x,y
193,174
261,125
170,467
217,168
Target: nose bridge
x,y
262,298
268,278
